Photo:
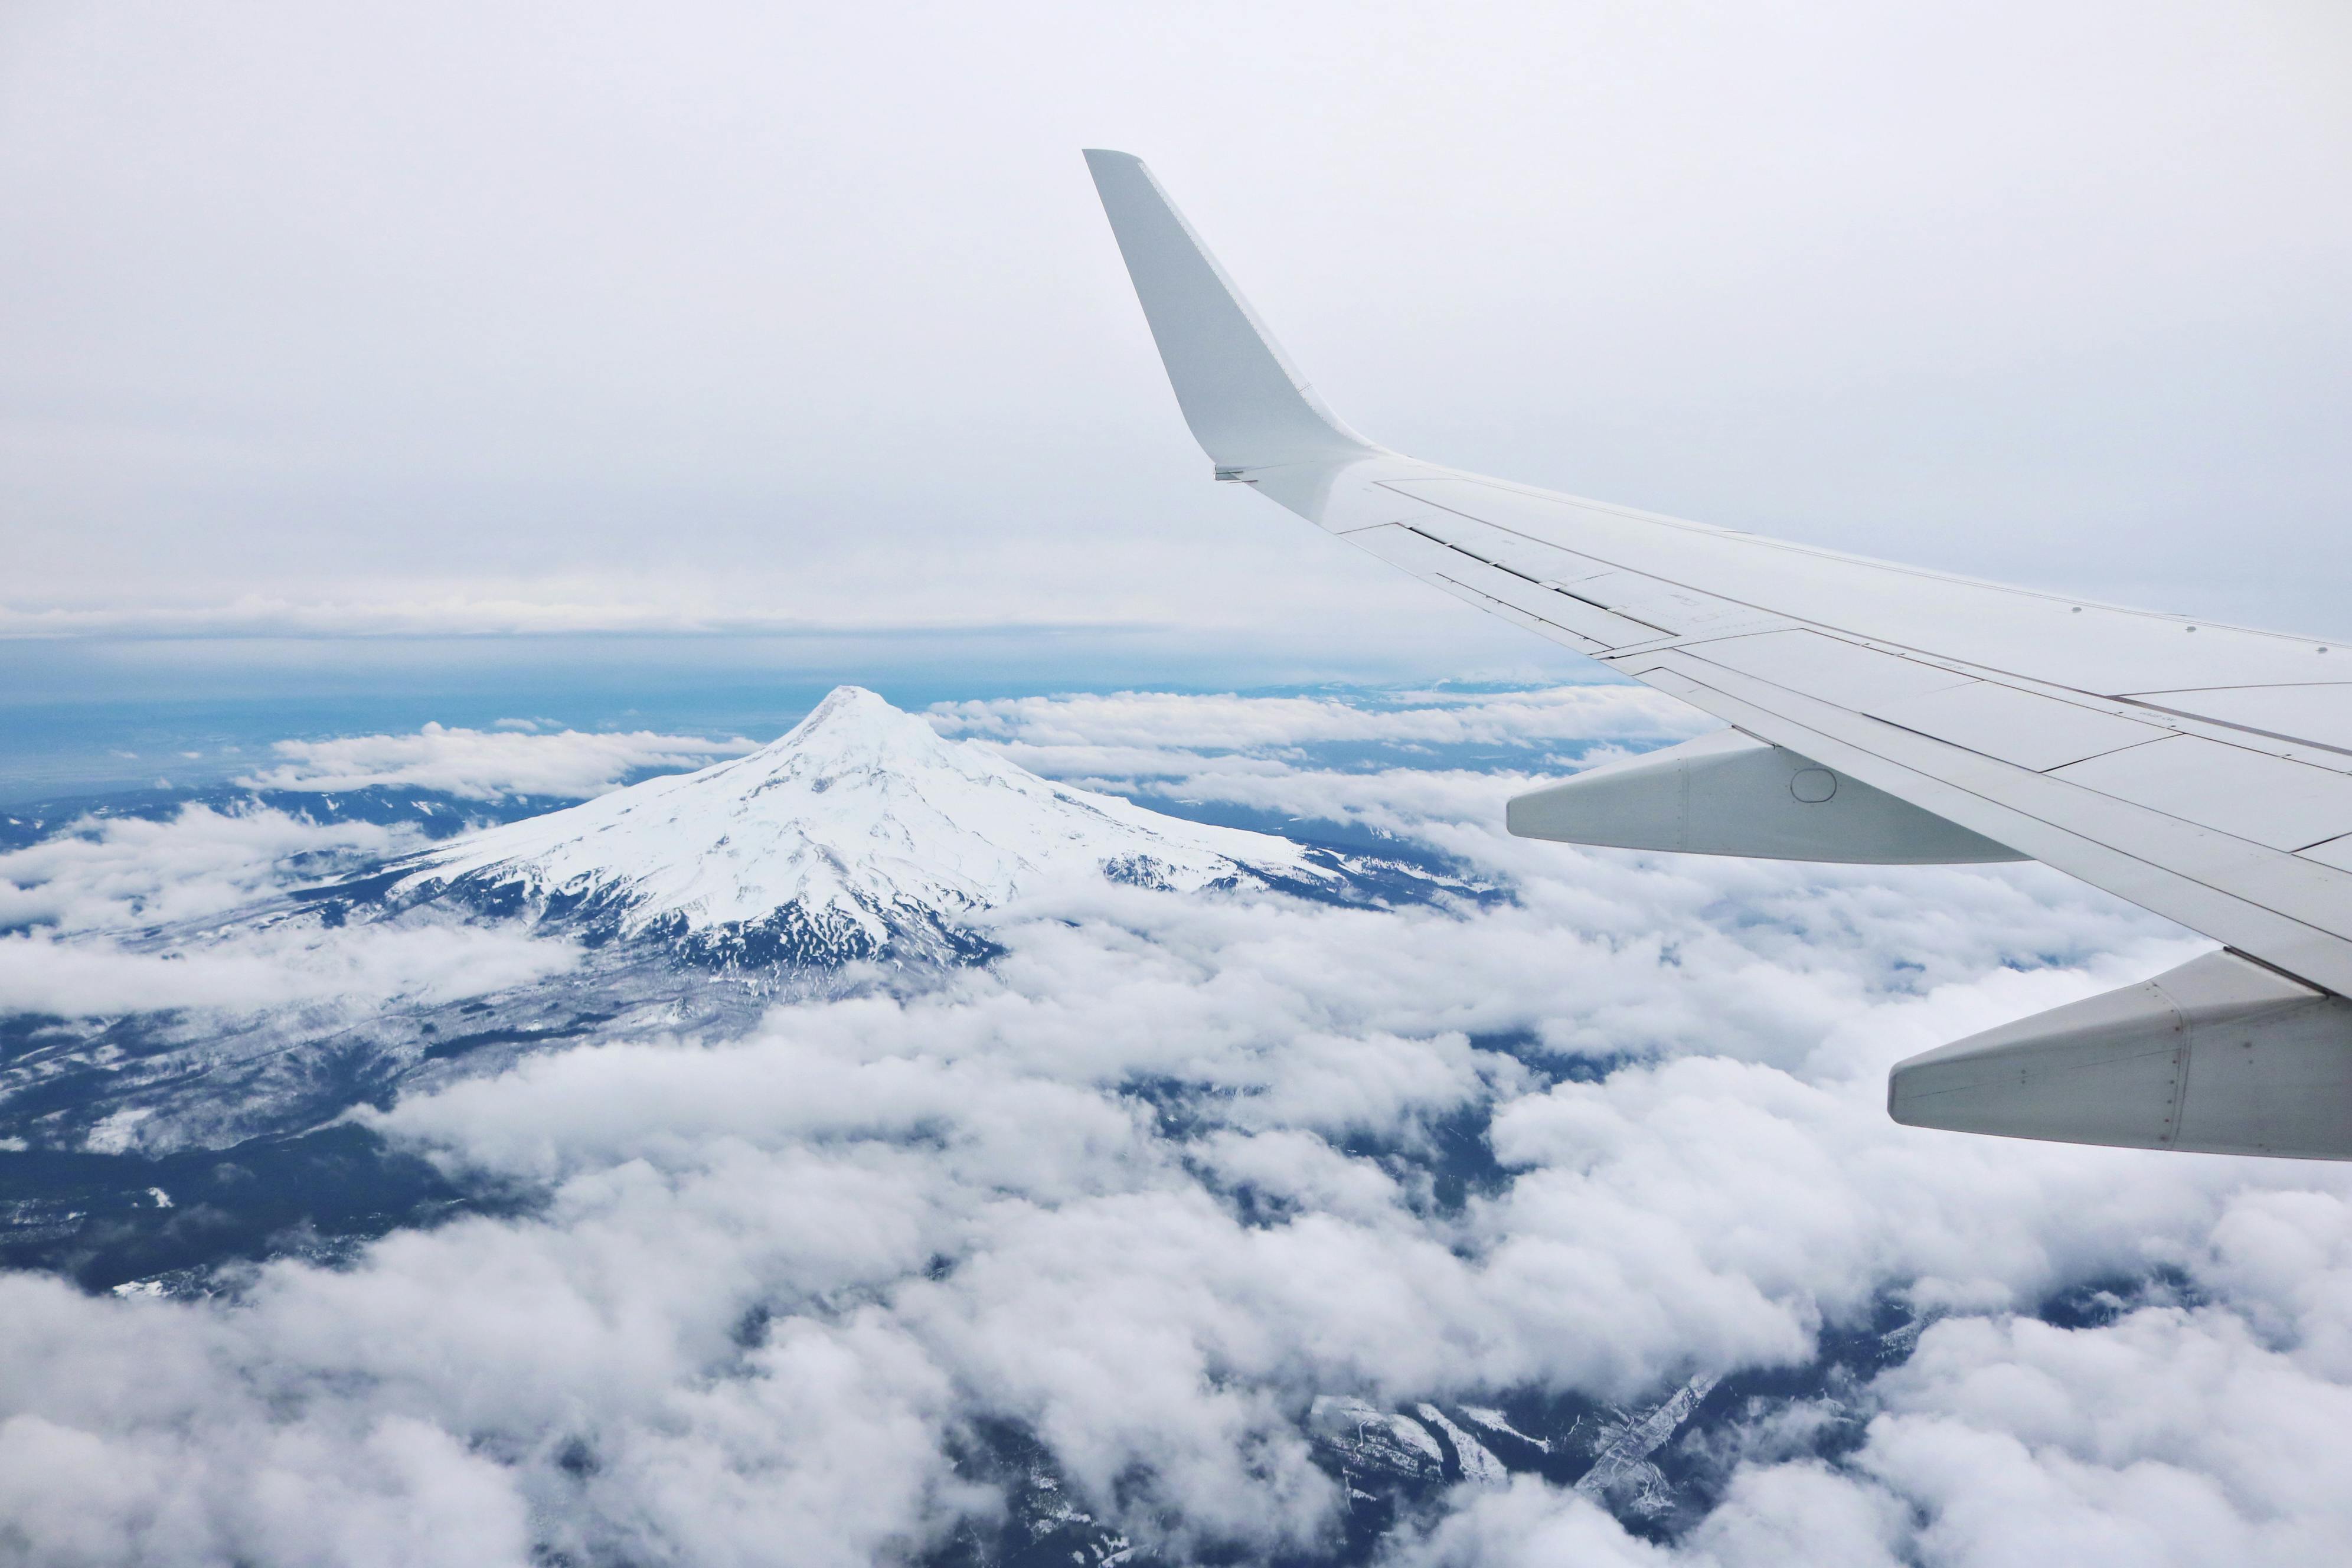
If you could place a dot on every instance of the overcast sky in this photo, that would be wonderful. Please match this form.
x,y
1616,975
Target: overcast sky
x,y
478,318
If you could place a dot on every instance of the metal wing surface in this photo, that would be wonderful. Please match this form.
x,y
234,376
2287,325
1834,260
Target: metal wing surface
x,y
2201,771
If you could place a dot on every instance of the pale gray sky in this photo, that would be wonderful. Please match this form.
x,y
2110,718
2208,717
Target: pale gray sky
x,y
468,318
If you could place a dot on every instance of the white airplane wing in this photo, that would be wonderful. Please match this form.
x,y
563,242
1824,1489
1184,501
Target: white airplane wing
x,y
1884,713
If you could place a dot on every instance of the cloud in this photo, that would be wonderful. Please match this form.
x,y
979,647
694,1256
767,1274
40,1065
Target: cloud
x,y
756,601
487,764
120,915
1529,1525
1430,765
358,966
1182,725
440,317
124,873
400,1491
1161,1173
2173,1432
1263,751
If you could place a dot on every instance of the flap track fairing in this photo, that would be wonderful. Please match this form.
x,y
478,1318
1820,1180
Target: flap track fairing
x,y
2221,1056
1727,793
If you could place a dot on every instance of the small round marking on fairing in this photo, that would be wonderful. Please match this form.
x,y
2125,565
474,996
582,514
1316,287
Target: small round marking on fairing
x,y
1812,785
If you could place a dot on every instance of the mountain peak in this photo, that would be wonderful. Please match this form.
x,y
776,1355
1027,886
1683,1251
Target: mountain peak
x,y
854,727
847,707
859,824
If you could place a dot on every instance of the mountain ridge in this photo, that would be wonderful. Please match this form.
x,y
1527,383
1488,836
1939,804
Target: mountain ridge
x,y
859,831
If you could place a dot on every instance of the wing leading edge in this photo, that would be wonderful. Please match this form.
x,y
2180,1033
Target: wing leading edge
x,y
2201,770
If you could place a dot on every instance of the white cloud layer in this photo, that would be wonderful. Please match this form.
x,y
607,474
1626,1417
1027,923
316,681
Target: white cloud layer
x,y
1182,725
776,1277
73,909
357,966
1257,752
487,764
127,872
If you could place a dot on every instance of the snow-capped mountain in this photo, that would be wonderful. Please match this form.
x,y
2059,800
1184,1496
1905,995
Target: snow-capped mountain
x,y
862,829
861,834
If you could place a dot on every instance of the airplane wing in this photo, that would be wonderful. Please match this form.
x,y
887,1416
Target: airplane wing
x,y
1884,713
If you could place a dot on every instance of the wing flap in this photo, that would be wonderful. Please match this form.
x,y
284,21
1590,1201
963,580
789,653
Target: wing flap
x,y
2032,731
2318,715
2250,795
1833,669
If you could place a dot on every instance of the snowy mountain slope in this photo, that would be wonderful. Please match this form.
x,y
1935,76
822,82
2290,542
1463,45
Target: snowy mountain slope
x,y
860,830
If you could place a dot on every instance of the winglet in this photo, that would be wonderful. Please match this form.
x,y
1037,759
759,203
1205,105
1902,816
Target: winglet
x,y
1246,403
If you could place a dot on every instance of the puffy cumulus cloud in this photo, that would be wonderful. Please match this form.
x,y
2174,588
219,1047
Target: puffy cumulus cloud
x,y
487,764
84,904
244,969
1529,1525
2173,1435
2170,1437
120,872
2285,1260
400,1491
1742,1207
1145,1185
1804,1512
